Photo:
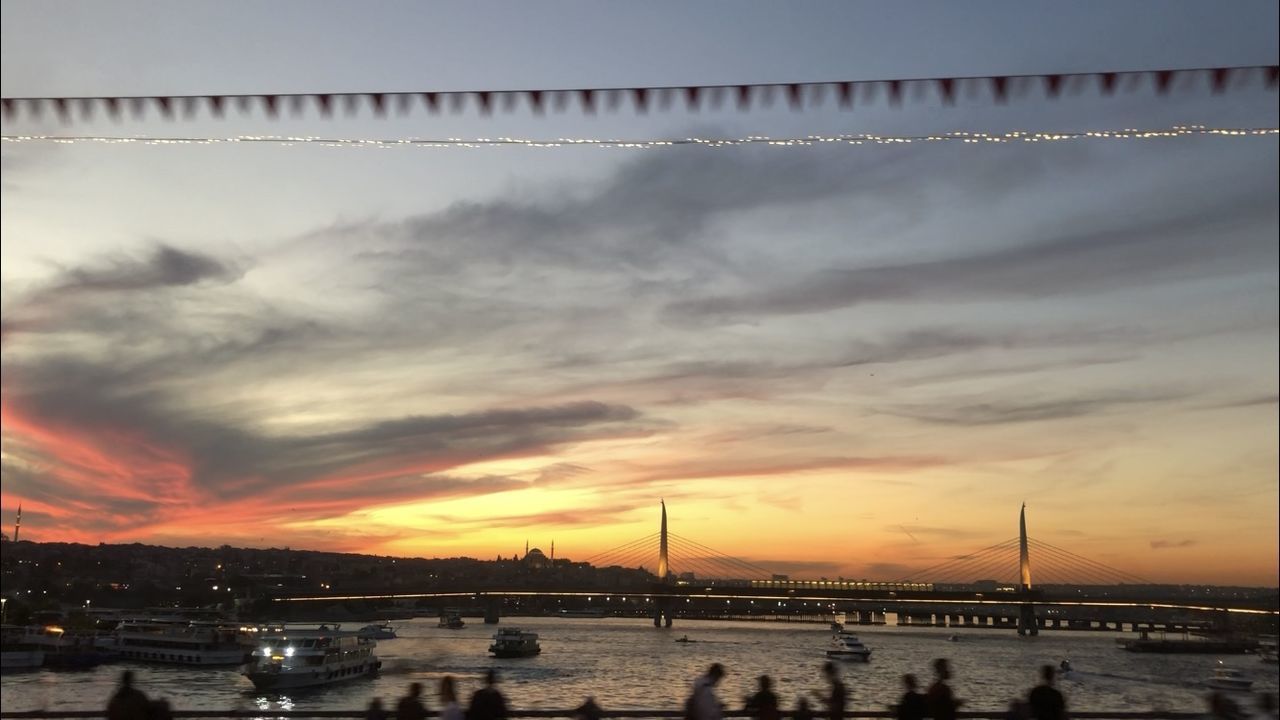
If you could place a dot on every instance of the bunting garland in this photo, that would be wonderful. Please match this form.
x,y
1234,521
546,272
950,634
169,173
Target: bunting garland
x,y
848,94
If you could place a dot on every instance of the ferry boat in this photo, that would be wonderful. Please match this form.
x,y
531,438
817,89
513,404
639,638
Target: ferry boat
x,y
15,652
513,643
179,642
1226,678
848,647
377,631
308,658
68,649
451,620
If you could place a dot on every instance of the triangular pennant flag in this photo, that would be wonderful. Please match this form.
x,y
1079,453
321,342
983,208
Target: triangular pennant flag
x,y
60,107
404,102
215,105
296,104
766,95
86,108
665,97
9,108
1273,76
560,101
35,108
190,104
744,97
947,89
509,101
270,104
999,88
1107,81
588,100
692,96
535,101
138,107
1163,78
895,92
325,104
795,94
456,99
1219,78
484,100
640,96
1052,85
350,103
165,105
613,99
243,103
817,94
845,91
431,100
379,103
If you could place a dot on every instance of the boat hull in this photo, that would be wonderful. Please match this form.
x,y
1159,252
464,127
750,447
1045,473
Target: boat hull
x,y
21,659
849,655
302,678
171,656
505,653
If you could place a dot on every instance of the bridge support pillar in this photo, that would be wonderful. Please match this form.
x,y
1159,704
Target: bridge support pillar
x,y
492,610
662,614
1027,620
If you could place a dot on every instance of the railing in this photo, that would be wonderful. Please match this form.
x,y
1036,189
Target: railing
x,y
361,714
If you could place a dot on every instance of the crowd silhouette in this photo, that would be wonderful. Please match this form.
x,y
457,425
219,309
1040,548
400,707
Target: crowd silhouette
x,y
1044,701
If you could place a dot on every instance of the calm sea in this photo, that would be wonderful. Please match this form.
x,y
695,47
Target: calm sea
x,y
627,663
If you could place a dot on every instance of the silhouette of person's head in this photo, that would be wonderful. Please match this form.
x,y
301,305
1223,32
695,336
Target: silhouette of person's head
x,y
491,677
942,668
715,672
415,690
1047,673
830,671
909,682
766,682
448,691
126,678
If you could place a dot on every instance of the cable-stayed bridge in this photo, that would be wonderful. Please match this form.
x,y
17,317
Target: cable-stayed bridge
x,y
1021,583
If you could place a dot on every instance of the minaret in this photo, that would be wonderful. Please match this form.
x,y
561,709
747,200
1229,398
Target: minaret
x,y
1024,559
553,551
17,523
662,546
526,548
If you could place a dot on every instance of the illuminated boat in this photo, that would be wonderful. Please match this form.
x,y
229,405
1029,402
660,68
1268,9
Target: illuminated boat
x,y
848,647
513,643
308,658
451,620
68,649
1225,678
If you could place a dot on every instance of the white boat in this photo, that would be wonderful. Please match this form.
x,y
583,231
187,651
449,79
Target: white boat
x,y
377,631
307,658
513,643
68,649
179,642
847,646
16,653
1226,678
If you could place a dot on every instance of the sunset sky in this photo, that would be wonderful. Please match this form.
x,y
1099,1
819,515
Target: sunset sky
x,y
829,360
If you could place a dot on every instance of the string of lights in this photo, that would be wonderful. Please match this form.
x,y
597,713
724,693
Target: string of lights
x,y
1013,136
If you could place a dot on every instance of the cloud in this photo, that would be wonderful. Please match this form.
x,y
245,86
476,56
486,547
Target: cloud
x,y
166,266
1171,544
1023,411
1068,261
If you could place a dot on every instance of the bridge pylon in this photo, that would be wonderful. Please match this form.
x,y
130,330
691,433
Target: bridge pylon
x,y
1027,623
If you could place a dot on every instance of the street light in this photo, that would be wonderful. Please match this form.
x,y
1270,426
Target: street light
x,y
4,602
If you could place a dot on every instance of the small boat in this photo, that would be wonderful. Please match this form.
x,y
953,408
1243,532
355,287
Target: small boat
x,y
953,638
452,620
377,631
685,639
587,613
308,658
16,653
1225,678
836,627
848,647
513,643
